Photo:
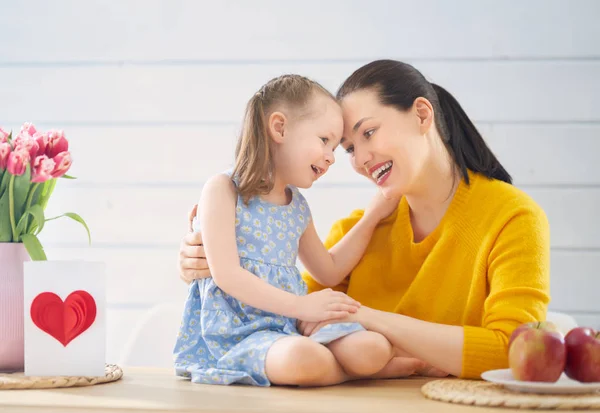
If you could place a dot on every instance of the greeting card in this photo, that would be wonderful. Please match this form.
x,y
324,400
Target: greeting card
x,y
65,318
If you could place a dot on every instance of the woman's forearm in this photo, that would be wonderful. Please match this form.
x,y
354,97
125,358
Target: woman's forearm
x,y
436,344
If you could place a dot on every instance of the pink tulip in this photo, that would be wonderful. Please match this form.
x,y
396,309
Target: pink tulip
x,y
42,169
56,143
17,162
3,136
28,144
5,150
63,162
42,141
28,129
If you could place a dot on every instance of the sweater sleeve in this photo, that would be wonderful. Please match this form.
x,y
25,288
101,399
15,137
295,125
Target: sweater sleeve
x,y
519,290
337,232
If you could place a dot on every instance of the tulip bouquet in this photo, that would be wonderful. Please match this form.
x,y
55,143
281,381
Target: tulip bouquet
x,y
30,165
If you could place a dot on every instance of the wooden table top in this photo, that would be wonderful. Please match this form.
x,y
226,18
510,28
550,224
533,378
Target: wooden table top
x,y
158,390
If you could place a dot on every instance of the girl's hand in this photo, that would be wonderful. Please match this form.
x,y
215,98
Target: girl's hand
x,y
380,207
325,305
308,328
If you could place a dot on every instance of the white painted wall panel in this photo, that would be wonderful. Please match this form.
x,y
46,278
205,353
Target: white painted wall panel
x,y
151,30
490,91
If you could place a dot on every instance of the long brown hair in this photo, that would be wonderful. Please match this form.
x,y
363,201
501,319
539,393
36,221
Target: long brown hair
x,y
253,153
398,84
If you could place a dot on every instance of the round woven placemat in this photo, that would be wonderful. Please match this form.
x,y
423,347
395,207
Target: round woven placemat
x,y
482,393
16,381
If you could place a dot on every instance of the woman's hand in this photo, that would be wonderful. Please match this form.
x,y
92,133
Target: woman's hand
x,y
307,328
192,259
422,369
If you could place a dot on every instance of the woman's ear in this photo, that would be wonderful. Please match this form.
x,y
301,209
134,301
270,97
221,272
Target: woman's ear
x,y
276,126
424,112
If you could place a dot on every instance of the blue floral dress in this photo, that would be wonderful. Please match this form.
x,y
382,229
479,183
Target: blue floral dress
x,y
224,341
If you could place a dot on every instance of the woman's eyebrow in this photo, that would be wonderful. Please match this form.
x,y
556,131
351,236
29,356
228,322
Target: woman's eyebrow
x,y
360,122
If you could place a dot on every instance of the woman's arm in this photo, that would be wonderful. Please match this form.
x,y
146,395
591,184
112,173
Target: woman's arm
x,y
330,267
217,218
518,278
438,345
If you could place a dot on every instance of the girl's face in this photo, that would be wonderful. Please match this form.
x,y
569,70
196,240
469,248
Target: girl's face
x,y
305,142
386,145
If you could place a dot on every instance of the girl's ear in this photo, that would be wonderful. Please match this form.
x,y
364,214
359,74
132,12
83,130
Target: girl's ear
x,y
424,111
276,126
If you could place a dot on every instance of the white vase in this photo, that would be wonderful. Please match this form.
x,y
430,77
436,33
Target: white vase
x,y
12,257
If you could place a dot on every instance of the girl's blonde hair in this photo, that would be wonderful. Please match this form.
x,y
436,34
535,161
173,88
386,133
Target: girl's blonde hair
x,y
253,153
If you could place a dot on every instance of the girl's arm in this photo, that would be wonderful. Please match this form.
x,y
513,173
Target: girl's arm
x,y
329,268
217,219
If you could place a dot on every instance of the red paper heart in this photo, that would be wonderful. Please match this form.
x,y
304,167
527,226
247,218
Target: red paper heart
x,y
64,321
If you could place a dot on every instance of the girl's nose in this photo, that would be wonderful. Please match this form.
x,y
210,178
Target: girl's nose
x,y
329,158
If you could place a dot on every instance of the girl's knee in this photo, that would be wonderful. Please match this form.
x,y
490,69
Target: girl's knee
x,y
364,354
371,345
298,361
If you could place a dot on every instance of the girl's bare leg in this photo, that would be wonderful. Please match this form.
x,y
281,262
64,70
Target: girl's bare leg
x,y
300,361
363,353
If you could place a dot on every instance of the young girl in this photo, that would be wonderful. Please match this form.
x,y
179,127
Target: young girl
x,y
240,325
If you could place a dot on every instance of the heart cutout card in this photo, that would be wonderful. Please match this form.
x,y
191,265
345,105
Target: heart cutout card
x,y
65,318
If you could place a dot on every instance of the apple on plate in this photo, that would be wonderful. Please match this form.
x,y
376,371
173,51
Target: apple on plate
x,y
544,325
537,352
583,354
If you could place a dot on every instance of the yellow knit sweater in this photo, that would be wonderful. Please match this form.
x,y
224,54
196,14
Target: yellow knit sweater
x,y
485,267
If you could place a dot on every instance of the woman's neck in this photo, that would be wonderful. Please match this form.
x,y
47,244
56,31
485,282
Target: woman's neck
x,y
430,200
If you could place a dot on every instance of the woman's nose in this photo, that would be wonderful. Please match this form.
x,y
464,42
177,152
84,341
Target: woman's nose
x,y
361,157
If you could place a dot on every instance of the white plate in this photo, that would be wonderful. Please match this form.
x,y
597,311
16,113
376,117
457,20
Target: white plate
x,y
564,385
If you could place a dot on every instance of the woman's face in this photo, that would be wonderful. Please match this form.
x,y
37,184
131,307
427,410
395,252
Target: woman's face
x,y
386,145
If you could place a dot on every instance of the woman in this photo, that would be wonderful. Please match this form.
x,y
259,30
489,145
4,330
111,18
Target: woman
x,y
465,257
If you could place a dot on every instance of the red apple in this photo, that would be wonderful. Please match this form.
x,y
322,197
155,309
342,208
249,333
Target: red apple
x,y
544,325
537,353
583,354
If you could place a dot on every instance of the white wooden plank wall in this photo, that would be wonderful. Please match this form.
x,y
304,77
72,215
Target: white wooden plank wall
x,y
151,94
